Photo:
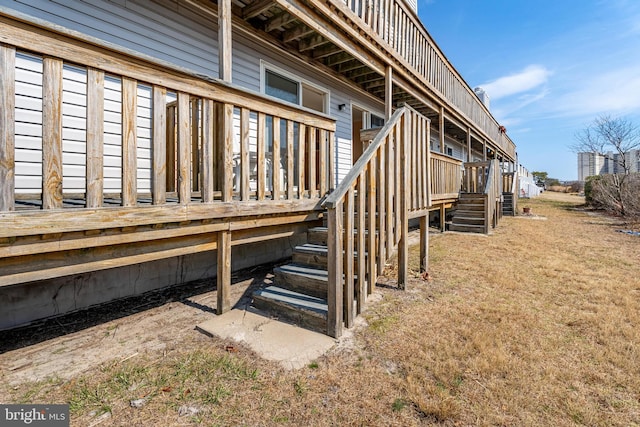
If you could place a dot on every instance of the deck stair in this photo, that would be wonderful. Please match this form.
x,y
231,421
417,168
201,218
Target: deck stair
x,y
470,214
508,201
299,289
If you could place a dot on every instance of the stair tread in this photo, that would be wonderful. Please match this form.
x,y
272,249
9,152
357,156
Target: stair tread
x,y
303,270
296,299
312,248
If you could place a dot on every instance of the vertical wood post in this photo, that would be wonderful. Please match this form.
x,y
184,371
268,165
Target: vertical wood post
x,y
403,246
52,134
95,138
159,147
424,243
224,40
183,143
290,146
223,279
348,259
7,127
129,141
262,162
361,292
244,154
388,93
275,162
225,146
331,175
334,258
302,135
208,150
468,144
484,151
441,129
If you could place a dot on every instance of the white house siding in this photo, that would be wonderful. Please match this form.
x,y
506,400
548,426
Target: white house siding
x,y
167,31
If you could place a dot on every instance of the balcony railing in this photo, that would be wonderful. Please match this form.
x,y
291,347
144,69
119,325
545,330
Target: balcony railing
x,y
397,27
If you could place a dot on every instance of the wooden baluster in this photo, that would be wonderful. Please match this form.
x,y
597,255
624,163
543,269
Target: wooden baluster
x,y
348,259
129,141
392,178
302,135
334,258
381,219
397,141
361,291
52,134
172,135
371,212
195,145
331,174
290,147
244,154
313,163
262,163
7,127
225,145
323,164
403,246
159,147
276,159
183,144
208,150
95,138
427,174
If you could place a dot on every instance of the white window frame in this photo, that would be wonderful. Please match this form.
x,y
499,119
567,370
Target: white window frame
x,y
266,66
368,111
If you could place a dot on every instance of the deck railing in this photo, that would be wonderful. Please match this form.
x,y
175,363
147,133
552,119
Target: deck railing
x,y
510,185
446,176
368,213
395,25
87,134
485,178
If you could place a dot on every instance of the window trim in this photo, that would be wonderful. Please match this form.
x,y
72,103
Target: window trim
x,y
266,66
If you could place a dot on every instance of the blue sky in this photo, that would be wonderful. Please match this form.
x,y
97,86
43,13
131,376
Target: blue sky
x,y
549,67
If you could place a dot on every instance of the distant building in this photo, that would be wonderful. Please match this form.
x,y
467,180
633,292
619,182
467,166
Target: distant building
x,y
591,163
484,98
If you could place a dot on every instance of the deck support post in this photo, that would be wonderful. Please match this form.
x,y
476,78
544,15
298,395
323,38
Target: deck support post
x,y
484,150
424,243
441,129
224,40
468,144
223,279
388,93
443,213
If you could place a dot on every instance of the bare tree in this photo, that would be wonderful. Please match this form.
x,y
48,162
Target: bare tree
x,y
617,136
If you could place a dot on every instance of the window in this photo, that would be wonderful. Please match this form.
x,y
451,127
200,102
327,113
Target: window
x,y
290,88
448,150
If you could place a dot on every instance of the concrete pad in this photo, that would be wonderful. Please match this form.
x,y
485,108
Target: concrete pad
x,y
291,346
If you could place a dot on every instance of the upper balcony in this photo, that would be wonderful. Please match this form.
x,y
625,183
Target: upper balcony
x,y
359,39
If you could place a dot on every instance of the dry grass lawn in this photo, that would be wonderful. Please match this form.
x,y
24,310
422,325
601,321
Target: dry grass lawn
x,y
535,325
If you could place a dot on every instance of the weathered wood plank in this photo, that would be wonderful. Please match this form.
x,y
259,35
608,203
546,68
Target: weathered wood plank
x,y
208,150
172,138
129,141
424,243
244,154
290,148
183,145
313,163
7,127
225,142
371,227
159,146
302,136
51,133
276,164
262,162
334,264
194,105
224,40
348,260
331,168
322,164
223,280
382,207
361,290
403,246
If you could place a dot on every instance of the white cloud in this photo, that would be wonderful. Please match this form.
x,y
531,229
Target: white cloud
x,y
614,91
527,79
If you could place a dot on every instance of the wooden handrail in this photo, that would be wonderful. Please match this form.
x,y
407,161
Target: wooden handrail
x,y
368,213
192,135
397,30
